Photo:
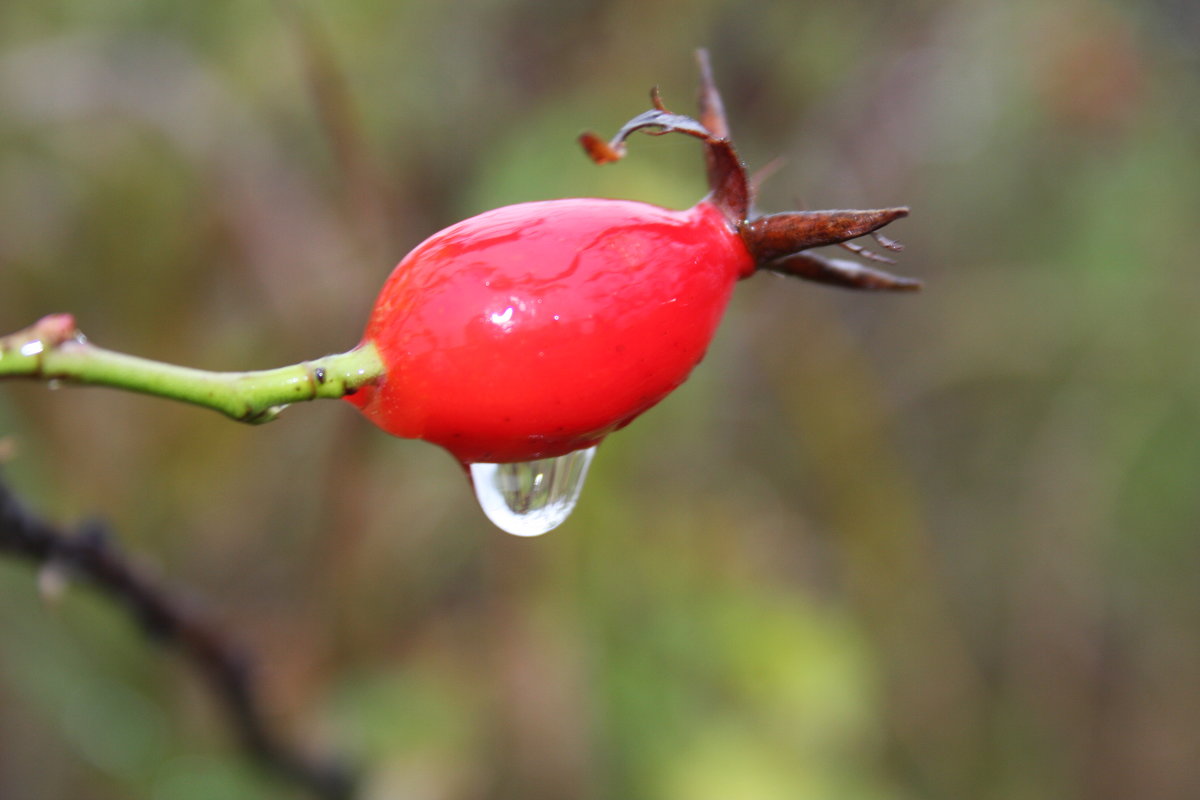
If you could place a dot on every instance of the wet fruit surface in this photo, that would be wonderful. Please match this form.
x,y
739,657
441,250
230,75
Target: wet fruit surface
x,y
536,329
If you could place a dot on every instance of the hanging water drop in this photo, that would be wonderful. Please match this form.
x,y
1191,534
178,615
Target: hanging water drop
x,y
530,498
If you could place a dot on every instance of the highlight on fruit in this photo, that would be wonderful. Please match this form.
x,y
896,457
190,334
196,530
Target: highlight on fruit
x,y
518,339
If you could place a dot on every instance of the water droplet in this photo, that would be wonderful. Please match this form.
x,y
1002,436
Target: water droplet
x,y
530,498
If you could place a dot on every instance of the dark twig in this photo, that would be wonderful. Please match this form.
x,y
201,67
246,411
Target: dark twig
x,y
163,617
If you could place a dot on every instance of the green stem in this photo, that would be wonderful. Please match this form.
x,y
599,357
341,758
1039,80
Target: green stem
x,y
53,349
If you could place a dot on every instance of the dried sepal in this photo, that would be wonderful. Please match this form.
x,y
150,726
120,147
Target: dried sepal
x,y
840,272
777,240
727,181
775,235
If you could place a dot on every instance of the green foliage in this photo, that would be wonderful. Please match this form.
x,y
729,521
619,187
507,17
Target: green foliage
x,y
938,546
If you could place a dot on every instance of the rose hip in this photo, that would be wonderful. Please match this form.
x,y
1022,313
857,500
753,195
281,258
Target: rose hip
x,y
537,329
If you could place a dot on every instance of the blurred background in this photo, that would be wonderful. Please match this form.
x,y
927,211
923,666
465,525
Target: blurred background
x,y
924,546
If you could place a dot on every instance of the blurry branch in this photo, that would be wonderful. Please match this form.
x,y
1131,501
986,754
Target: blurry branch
x,y
364,196
166,618
53,349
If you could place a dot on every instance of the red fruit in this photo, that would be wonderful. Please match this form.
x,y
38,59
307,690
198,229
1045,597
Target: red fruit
x,y
537,329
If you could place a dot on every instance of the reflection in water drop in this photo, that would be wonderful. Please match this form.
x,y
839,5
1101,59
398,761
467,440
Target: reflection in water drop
x,y
531,497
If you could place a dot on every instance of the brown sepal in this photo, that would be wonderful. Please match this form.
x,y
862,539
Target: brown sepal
x,y
727,181
777,240
777,235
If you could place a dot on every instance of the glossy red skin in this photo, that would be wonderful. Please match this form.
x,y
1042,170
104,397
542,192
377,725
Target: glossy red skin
x,y
536,329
